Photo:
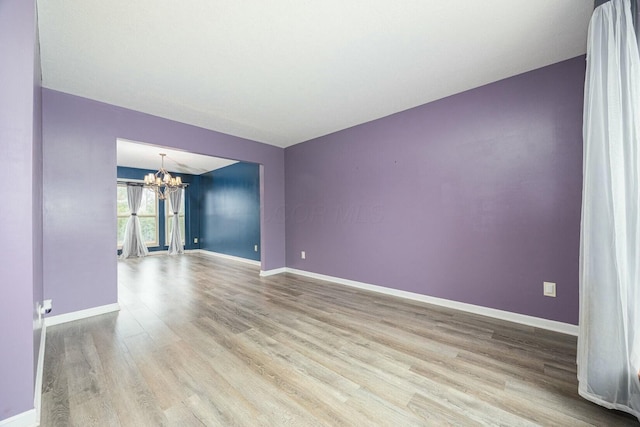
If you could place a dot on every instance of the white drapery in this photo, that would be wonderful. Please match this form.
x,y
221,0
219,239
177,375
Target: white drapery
x,y
609,338
133,245
175,242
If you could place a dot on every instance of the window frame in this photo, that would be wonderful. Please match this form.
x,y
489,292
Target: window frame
x,y
156,242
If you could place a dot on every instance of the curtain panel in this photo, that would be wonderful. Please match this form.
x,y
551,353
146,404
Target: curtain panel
x,y
133,244
175,242
609,338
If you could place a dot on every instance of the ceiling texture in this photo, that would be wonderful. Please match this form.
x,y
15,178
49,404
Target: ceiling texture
x,y
283,71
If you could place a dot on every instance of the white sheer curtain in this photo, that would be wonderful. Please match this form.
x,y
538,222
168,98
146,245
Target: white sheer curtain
x,y
175,243
133,245
609,339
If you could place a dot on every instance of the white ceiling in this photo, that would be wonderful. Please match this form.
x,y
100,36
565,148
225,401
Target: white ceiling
x,y
284,71
146,156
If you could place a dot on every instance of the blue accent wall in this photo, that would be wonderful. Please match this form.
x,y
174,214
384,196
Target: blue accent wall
x,y
230,210
191,206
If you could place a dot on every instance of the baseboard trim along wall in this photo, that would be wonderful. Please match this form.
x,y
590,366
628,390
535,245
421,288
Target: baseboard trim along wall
x,y
25,419
81,314
523,319
231,257
267,273
37,392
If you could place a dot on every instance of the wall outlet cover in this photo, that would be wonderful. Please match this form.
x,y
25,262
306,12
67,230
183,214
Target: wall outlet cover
x,y
303,255
549,289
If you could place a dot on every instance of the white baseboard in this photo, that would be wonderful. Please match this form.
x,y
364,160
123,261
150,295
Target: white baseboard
x,y
37,391
536,322
225,256
266,273
25,419
81,314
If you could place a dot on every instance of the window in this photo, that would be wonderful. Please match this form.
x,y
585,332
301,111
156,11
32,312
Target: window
x,y
147,214
169,220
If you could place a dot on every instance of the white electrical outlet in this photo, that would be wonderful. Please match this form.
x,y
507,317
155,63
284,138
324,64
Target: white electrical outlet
x,y
46,307
255,248
195,240
303,255
549,289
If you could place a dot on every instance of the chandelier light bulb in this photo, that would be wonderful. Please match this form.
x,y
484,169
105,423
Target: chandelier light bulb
x,y
162,182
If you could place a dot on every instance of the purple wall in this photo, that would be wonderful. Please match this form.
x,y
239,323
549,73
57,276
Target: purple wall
x,y
21,230
80,185
38,290
473,198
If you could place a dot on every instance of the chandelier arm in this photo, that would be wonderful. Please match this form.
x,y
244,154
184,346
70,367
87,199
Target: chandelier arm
x,y
162,182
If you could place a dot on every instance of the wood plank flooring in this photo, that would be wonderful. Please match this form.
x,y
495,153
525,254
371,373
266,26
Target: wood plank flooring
x,y
205,341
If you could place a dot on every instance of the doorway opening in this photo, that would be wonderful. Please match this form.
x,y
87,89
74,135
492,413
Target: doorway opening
x,y
221,201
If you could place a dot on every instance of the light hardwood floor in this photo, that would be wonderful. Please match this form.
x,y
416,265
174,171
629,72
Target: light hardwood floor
x,y
205,341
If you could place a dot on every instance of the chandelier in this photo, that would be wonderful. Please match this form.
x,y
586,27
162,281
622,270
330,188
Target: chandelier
x,y
162,182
